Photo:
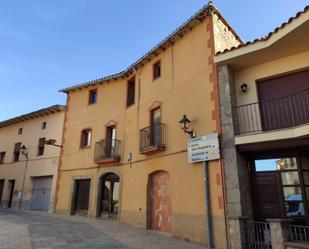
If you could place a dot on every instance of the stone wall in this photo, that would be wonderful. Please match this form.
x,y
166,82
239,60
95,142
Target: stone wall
x,y
235,164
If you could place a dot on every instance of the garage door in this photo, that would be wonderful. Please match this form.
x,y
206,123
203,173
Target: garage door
x,y
41,193
283,100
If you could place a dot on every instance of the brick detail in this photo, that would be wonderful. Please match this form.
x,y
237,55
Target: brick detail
x,y
64,129
220,202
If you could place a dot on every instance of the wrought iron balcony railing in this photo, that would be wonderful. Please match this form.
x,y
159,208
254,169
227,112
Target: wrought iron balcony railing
x,y
152,138
107,151
286,112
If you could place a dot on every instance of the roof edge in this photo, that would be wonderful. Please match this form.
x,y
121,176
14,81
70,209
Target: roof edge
x,y
36,114
187,26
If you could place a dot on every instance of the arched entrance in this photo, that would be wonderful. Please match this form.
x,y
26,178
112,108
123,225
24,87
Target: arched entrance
x,y
108,201
159,210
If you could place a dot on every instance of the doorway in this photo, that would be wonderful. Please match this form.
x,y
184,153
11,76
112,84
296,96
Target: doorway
x,y
109,196
280,188
81,196
159,211
1,188
11,192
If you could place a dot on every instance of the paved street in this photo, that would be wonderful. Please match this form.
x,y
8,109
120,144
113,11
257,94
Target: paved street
x,y
24,230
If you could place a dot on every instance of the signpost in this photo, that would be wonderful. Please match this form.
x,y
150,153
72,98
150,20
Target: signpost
x,y
204,149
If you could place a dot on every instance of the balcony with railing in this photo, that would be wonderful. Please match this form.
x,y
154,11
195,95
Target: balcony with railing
x,y
152,139
276,114
107,151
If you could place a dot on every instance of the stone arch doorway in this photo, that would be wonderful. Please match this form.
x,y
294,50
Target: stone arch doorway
x,y
108,197
159,211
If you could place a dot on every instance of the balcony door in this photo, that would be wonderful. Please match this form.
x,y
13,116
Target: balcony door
x,y
155,126
110,141
284,100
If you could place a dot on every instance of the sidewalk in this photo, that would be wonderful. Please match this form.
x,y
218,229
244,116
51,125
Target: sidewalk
x,y
28,229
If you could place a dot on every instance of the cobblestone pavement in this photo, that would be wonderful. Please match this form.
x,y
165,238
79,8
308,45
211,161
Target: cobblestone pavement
x,y
25,230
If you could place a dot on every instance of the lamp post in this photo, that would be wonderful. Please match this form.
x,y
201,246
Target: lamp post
x,y
185,126
24,152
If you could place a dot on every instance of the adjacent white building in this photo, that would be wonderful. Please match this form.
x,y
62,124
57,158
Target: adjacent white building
x,y
28,166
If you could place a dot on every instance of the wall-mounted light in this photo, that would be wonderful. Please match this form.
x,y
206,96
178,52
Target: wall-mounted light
x,y
244,87
185,126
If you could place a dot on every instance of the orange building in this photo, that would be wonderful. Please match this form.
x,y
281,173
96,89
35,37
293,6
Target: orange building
x,y
124,154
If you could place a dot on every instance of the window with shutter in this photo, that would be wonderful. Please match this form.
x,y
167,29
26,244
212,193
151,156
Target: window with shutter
x,y
16,152
41,146
131,92
2,157
156,70
86,138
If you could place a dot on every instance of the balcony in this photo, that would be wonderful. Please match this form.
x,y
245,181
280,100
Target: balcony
x,y
152,139
276,114
107,151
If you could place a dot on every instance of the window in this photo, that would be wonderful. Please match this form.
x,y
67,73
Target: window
x,y
92,96
131,92
156,70
43,126
2,156
20,131
86,138
41,146
16,153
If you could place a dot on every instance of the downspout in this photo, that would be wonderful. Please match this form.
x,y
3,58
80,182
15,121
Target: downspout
x,y
207,206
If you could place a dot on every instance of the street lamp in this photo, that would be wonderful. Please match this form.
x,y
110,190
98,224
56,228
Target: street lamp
x,y
185,126
24,152
52,142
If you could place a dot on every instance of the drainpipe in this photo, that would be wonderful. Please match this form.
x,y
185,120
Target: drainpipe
x,y
207,206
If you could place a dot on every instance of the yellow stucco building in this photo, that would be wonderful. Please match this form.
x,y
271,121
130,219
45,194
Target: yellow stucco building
x,y
124,154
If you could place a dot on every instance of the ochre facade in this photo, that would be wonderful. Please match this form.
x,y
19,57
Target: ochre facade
x,y
187,85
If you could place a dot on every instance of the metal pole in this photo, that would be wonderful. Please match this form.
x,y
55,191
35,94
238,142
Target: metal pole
x,y
22,188
207,206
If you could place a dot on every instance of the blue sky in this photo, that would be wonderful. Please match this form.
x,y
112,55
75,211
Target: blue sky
x,y
48,45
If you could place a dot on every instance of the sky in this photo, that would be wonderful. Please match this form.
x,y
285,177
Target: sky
x,y
49,45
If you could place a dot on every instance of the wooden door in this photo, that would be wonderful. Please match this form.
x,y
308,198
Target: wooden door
x,y
160,202
1,189
82,195
156,127
11,189
267,195
110,141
